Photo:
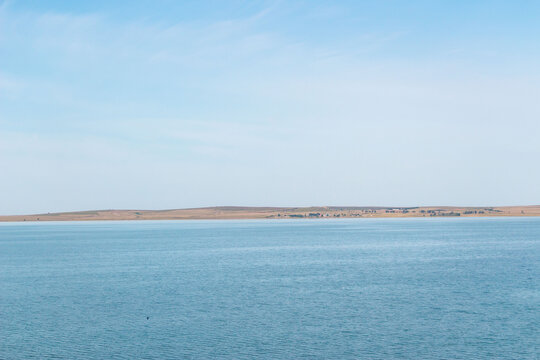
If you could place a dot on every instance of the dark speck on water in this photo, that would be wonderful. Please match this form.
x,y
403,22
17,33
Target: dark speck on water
x,y
459,288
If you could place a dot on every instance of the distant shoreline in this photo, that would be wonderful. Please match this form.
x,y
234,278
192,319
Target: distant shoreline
x,y
315,212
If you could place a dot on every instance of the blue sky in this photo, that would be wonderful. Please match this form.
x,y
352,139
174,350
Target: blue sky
x,y
168,104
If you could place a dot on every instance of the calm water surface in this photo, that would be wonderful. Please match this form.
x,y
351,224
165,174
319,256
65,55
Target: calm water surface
x,y
318,289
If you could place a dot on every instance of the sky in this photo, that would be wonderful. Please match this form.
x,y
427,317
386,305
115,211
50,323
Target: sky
x,y
177,104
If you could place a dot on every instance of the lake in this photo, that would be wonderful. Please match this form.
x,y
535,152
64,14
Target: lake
x,y
449,288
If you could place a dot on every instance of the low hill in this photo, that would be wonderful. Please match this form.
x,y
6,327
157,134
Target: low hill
x,y
239,212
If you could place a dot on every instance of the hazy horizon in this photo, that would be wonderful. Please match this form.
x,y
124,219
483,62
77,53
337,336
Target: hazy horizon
x,y
167,105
